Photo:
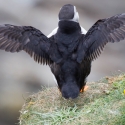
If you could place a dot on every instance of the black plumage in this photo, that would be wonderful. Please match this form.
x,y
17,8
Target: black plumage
x,y
68,51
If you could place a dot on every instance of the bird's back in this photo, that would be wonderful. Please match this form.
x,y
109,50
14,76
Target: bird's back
x,y
67,37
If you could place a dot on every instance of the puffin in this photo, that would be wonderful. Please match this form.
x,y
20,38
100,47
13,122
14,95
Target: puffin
x,y
69,49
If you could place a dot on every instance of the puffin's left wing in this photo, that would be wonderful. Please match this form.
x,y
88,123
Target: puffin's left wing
x,y
103,31
27,38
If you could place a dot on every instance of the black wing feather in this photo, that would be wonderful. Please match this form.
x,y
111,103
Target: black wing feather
x,y
17,38
103,31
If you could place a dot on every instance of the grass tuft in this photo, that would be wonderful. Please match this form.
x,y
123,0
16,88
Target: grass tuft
x,y
102,104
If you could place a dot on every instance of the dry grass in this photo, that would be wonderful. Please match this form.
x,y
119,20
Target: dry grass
x,y
102,104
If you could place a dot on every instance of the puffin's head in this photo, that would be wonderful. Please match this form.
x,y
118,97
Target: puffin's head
x,y
69,12
70,91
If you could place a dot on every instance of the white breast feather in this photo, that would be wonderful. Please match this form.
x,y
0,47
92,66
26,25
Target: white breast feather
x,y
53,32
83,31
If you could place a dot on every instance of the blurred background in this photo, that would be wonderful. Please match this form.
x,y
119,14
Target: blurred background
x,y
21,76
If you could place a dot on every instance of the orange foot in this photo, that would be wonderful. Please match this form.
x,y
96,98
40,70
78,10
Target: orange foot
x,y
84,88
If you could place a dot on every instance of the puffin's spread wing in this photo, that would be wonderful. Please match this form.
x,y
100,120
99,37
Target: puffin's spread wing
x,y
103,31
17,38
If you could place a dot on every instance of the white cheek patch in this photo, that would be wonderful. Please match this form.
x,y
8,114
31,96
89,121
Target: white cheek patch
x,y
53,32
76,15
83,31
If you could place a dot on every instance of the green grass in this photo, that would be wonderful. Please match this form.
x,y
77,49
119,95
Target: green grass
x,y
102,104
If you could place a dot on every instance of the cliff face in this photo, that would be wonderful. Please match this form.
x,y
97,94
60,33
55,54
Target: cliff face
x,y
20,75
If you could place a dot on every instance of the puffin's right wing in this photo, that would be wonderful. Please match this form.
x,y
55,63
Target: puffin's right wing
x,y
103,31
34,42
